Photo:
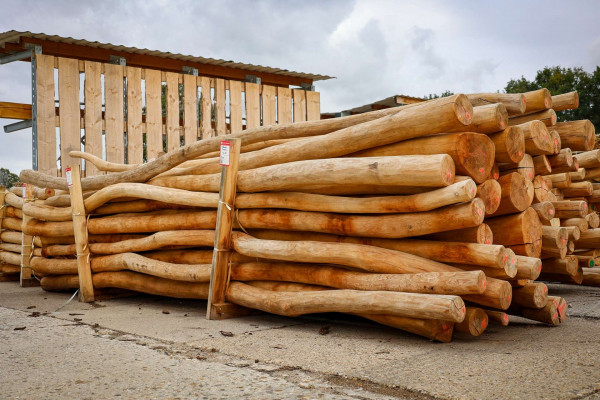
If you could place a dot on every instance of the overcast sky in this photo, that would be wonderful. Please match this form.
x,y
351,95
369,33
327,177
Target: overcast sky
x,y
374,48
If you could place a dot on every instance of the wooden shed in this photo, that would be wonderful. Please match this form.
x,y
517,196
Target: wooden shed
x,y
130,105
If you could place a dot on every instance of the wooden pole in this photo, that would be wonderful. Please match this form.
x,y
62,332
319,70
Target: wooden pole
x,y
219,276
475,322
577,135
515,103
84,271
565,101
509,145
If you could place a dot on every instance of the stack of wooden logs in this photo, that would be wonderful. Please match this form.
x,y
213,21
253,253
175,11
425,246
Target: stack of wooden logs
x,y
11,239
429,218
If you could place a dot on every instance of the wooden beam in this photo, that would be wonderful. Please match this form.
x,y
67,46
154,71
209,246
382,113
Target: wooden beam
x,y
219,277
15,110
84,270
157,62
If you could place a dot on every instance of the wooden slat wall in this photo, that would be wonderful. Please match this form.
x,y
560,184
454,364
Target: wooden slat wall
x,y
46,120
154,134
224,106
135,136
115,120
92,122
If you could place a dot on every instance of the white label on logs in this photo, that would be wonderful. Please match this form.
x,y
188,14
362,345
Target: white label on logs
x,y
225,147
69,177
24,190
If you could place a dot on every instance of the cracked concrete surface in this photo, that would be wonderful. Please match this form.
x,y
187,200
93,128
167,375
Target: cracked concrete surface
x,y
87,350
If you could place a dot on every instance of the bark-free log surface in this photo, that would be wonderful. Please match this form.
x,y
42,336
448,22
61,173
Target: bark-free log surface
x,y
516,194
565,101
532,295
514,103
509,145
430,282
475,322
577,135
390,226
449,308
473,153
490,192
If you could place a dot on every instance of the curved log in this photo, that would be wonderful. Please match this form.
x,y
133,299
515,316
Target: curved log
x,y
11,237
448,308
137,263
157,241
10,258
493,256
13,200
390,226
364,257
456,283
101,164
472,153
456,193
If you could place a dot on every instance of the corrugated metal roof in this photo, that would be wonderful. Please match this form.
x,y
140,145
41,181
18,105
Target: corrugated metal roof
x,y
392,101
14,37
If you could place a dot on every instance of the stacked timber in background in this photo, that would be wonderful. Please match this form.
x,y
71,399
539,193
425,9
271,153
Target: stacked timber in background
x,y
429,218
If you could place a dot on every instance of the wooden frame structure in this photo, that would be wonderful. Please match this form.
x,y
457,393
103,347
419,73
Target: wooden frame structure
x,y
129,105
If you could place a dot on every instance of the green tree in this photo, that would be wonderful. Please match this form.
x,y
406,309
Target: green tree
x,y
445,93
560,80
7,178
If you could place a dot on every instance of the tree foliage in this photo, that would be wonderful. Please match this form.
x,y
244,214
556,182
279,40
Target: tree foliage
x,y
560,80
7,178
445,93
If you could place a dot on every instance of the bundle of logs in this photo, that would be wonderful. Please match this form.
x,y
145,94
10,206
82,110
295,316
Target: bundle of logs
x,y
431,218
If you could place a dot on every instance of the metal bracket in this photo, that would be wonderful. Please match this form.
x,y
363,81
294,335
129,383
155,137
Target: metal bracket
x,y
17,126
252,79
190,70
117,60
21,55
308,87
37,49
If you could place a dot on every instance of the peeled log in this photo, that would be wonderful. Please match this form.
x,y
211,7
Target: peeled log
x,y
10,258
541,165
498,317
545,210
524,167
559,181
473,153
548,117
475,322
565,101
448,308
578,189
509,145
541,189
577,135
493,256
132,281
563,159
367,258
589,239
430,282
487,119
537,100
456,193
570,209
532,295
537,138
430,170
591,277
528,267
194,238
592,219
137,263
390,226
548,314
481,234
498,294
513,102
130,223
568,266
490,192
518,229
516,194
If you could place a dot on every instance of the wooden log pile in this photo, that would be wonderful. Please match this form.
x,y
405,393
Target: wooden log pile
x,y
431,218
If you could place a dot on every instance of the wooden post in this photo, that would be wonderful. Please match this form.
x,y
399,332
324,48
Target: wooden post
x,y
86,288
217,308
27,245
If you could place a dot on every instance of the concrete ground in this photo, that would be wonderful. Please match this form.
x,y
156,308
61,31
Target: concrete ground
x,y
152,347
